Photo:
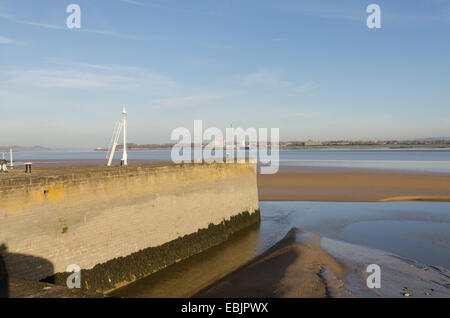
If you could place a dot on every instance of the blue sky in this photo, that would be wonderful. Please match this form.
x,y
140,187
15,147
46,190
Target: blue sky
x,y
310,67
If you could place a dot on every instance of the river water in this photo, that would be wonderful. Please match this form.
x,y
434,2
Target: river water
x,y
434,160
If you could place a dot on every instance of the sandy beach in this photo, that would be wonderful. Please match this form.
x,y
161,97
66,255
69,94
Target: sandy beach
x,y
351,185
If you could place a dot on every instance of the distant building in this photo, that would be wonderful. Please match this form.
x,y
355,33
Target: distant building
x,y
313,143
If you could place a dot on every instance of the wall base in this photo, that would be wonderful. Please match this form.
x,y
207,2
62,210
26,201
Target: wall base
x,y
120,271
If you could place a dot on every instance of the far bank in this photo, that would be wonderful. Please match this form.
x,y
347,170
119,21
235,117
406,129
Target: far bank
x,y
352,185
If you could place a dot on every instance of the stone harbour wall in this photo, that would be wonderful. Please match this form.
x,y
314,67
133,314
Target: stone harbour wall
x,y
120,223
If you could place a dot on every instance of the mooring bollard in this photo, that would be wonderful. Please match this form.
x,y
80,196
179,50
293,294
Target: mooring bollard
x,y
3,167
28,167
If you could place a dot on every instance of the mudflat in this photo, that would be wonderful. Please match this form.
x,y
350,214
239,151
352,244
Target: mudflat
x,y
294,267
304,264
352,185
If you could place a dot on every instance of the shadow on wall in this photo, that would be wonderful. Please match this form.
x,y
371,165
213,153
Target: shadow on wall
x,y
4,279
14,265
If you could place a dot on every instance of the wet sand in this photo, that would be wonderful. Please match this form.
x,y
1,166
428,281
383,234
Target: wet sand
x,y
352,185
294,267
400,276
303,264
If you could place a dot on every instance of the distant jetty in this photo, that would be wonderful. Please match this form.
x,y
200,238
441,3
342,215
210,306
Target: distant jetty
x,y
25,148
133,146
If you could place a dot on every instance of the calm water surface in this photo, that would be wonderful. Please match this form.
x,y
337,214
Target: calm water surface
x,y
417,230
416,160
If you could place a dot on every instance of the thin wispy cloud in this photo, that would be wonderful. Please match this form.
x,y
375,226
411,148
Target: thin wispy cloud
x,y
5,40
87,76
279,39
200,100
49,79
334,10
136,3
272,79
299,115
149,4
108,67
215,46
64,28
307,87
111,33
32,23
323,10
264,78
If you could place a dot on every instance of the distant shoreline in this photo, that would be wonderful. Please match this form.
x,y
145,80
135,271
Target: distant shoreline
x,y
436,146
281,147
443,146
136,149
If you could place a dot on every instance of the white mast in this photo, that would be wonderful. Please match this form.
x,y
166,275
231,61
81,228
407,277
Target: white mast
x,y
114,141
10,157
124,124
228,146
